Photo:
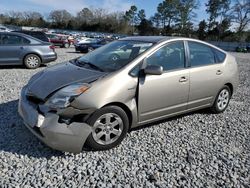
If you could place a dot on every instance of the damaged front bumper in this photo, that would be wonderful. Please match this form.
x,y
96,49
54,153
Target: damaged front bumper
x,y
47,127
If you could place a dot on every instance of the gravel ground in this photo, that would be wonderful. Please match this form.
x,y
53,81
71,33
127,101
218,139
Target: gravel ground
x,y
194,150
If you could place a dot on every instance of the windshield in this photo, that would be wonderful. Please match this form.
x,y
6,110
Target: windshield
x,y
114,55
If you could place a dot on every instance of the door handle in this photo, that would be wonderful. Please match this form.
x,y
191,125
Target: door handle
x,y
183,79
21,47
219,72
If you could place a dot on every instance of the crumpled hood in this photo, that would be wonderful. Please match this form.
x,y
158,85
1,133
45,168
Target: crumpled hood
x,y
51,79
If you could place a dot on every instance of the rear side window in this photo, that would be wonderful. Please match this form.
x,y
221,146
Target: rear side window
x,y
220,56
13,40
200,54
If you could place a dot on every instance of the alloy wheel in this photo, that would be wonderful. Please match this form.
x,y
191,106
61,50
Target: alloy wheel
x,y
223,99
107,129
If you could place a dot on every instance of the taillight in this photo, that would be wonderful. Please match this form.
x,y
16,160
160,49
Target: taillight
x,y
52,47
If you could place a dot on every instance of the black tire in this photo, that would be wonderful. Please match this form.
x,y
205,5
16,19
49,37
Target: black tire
x,y
216,107
66,45
32,61
91,142
90,49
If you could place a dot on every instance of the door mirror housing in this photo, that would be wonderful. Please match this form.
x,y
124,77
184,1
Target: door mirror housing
x,y
153,70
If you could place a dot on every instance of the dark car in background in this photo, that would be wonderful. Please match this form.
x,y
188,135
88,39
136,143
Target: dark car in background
x,y
90,46
36,34
59,40
21,49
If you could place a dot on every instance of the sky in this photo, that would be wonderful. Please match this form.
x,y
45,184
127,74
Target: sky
x,y
45,6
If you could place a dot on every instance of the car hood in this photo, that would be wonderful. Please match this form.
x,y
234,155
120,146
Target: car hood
x,y
42,84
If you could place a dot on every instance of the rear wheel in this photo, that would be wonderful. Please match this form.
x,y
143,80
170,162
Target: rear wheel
x,y
109,127
222,100
32,61
66,45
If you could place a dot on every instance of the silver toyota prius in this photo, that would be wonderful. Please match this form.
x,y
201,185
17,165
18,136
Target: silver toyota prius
x,y
92,101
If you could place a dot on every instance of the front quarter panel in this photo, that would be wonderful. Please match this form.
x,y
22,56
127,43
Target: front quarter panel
x,y
115,88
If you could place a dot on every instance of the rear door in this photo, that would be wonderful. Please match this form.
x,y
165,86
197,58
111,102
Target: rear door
x,y
206,76
11,49
167,94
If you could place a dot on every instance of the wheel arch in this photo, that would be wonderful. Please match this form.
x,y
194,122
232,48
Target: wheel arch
x,y
230,87
123,107
30,53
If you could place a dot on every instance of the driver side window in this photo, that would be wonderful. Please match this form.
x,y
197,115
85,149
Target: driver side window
x,y
170,57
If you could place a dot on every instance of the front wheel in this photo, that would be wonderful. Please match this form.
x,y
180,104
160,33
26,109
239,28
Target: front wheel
x,y
109,127
222,100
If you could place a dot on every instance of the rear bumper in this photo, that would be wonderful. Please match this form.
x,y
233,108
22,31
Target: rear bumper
x,y
59,136
81,49
49,58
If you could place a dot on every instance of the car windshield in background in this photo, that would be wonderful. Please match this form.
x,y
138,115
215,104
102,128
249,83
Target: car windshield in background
x,y
114,55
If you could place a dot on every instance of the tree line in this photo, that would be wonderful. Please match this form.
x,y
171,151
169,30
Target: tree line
x,y
228,20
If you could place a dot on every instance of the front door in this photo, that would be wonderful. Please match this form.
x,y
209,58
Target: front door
x,y
164,95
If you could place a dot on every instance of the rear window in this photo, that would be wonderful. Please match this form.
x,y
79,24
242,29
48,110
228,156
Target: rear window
x,y
200,54
39,35
220,56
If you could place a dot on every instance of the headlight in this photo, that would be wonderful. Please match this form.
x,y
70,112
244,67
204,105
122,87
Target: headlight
x,y
63,97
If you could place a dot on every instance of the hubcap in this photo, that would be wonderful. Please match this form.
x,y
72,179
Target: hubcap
x,y
223,99
107,129
32,61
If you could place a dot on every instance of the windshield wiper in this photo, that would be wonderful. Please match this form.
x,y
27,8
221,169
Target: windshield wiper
x,y
89,64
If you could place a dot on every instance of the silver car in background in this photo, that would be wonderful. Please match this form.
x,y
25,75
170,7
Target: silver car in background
x,y
92,101
21,49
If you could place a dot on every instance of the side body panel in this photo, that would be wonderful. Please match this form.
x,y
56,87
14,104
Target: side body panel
x,y
162,95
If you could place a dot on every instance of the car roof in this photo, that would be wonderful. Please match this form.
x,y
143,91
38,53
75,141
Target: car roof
x,y
152,39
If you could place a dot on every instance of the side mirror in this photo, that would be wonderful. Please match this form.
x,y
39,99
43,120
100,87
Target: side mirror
x,y
153,70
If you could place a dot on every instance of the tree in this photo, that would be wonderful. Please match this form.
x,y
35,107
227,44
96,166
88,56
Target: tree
x,y
146,27
185,15
141,15
60,18
131,17
84,16
167,11
217,9
241,14
201,32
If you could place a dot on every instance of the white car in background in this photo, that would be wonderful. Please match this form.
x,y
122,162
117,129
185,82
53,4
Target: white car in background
x,y
4,29
85,40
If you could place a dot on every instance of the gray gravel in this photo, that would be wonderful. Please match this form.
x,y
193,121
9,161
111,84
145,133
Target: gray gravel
x,y
194,150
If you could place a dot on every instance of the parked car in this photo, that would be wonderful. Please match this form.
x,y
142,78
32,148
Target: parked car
x,y
89,46
85,40
241,49
93,101
36,34
59,40
4,29
21,49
